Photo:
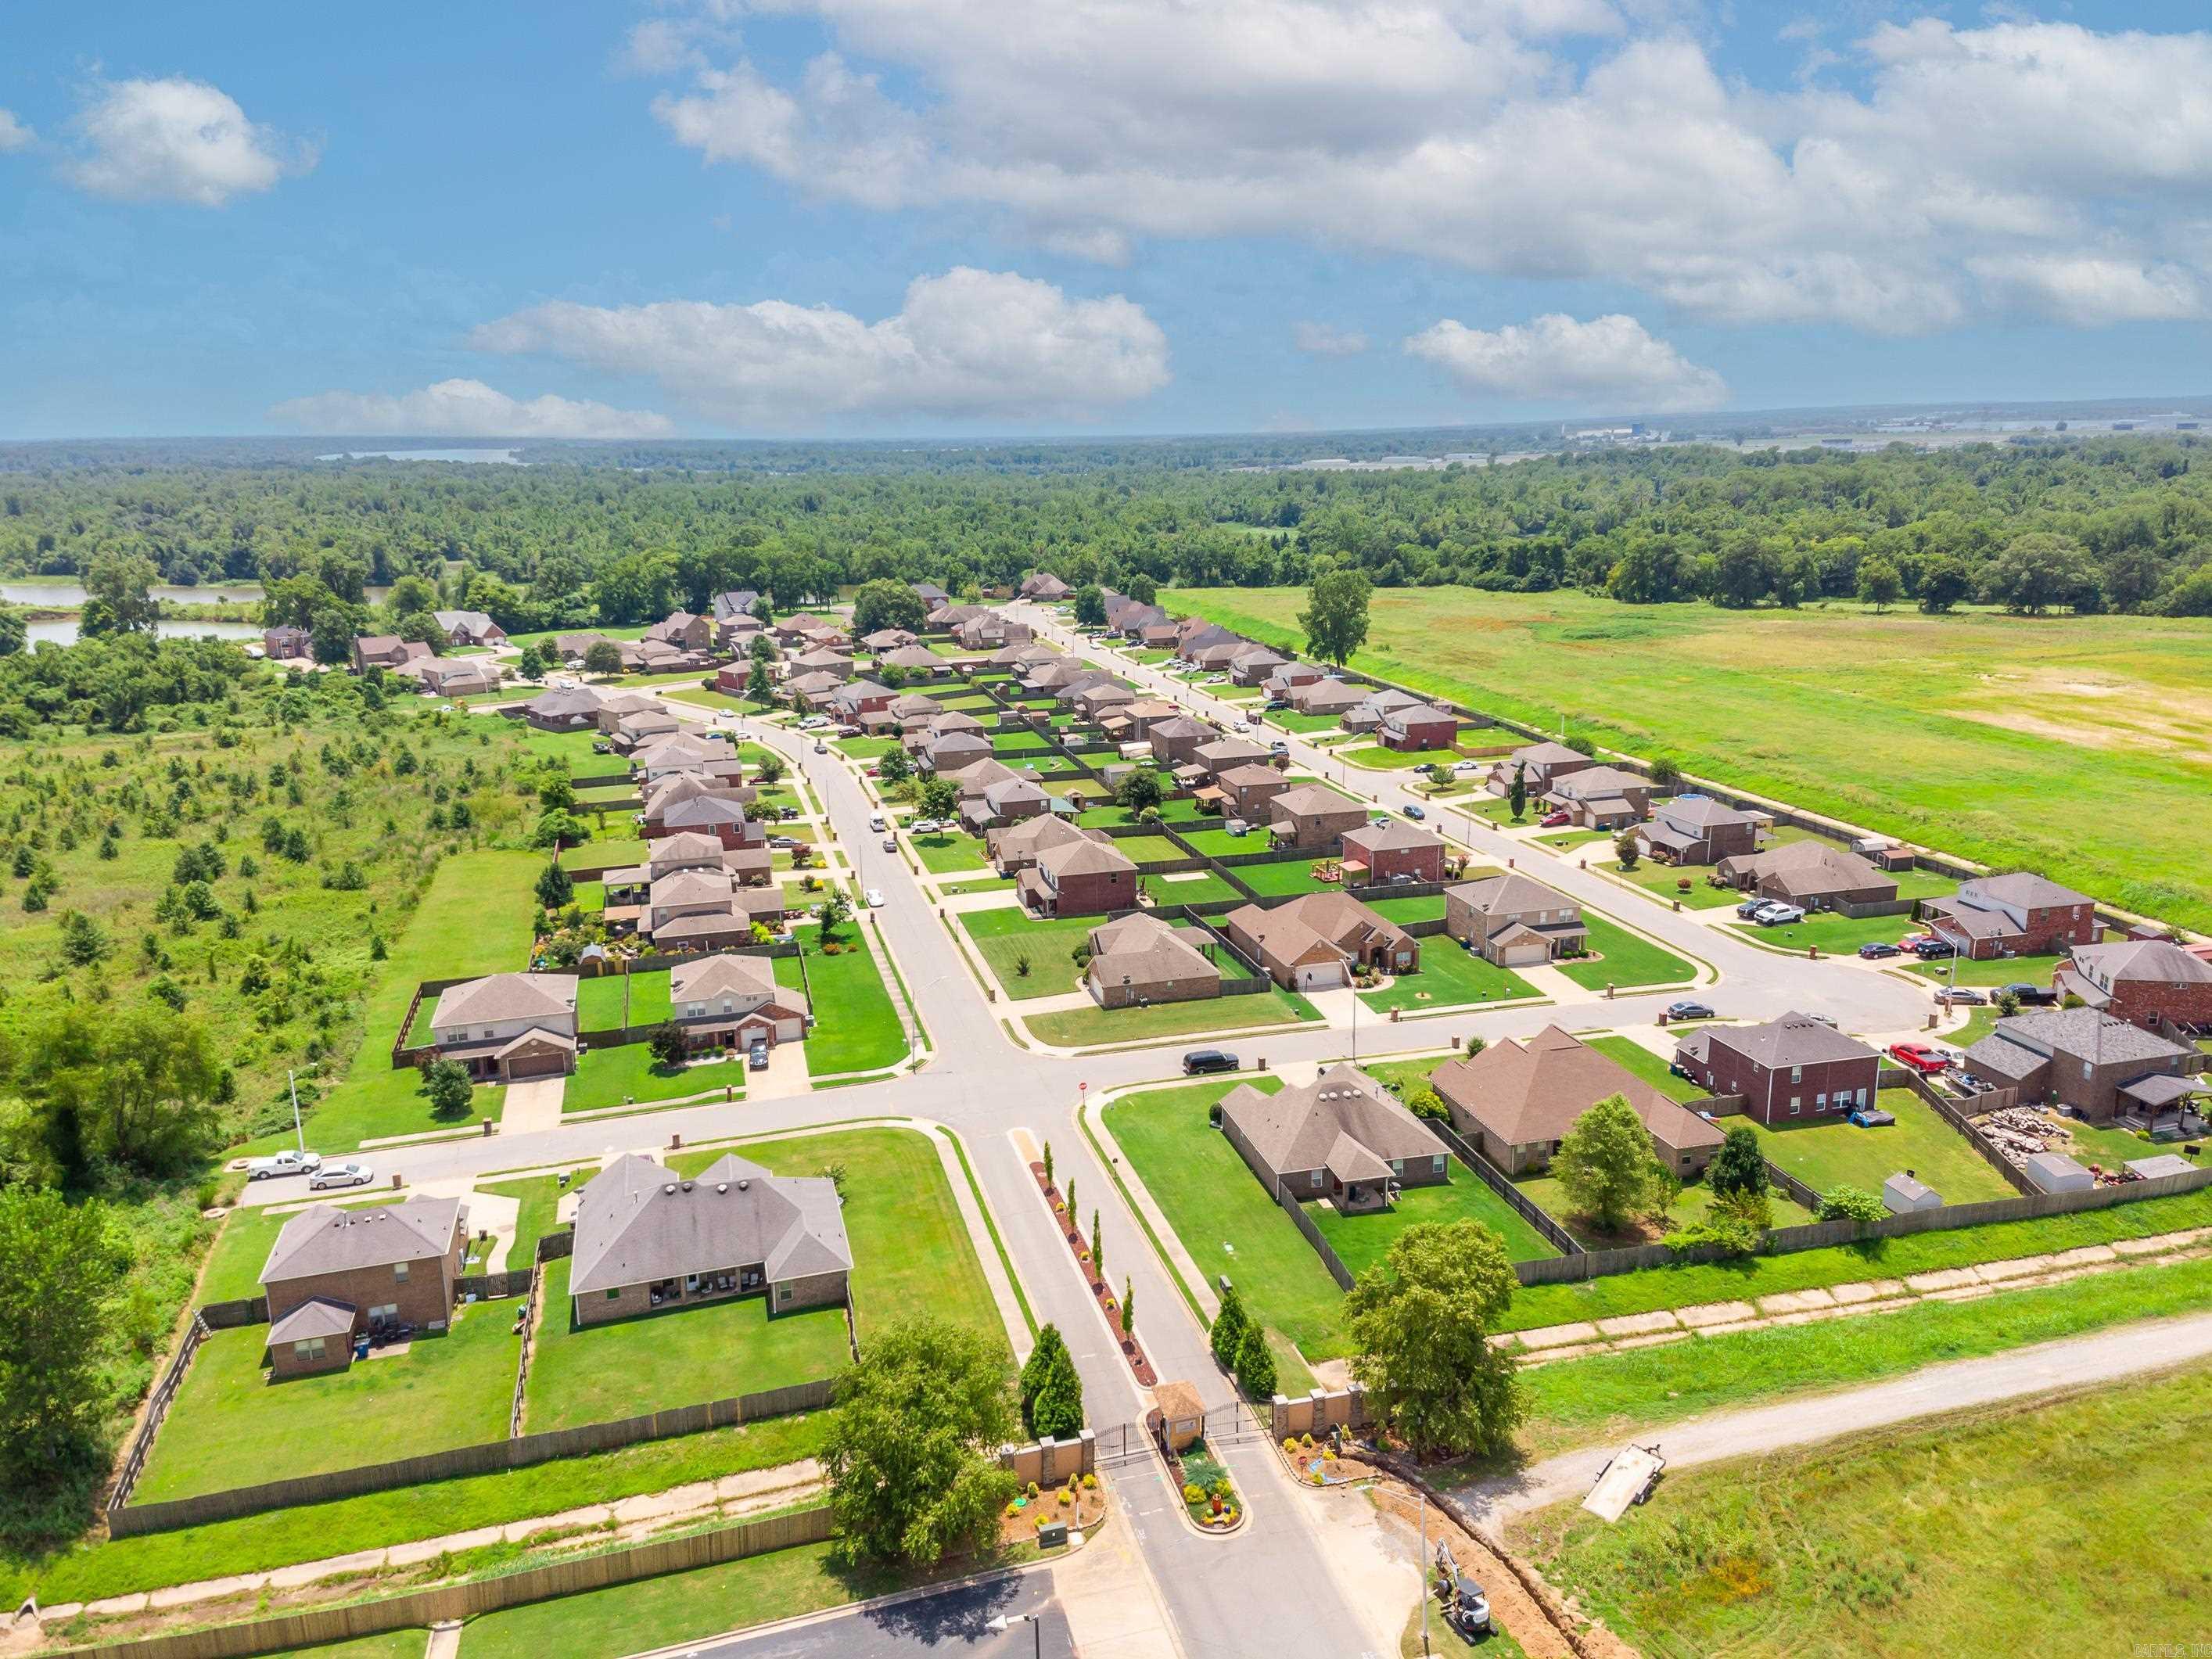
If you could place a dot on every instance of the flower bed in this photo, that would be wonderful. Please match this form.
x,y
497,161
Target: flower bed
x,y
1080,1503
1208,1496
1139,1365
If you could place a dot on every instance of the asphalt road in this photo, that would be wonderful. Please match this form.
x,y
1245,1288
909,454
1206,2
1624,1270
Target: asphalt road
x,y
950,1622
1266,1592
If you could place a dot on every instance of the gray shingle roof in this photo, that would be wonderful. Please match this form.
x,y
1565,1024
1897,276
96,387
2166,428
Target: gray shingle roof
x,y
324,1239
1793,1040
506,996
1301,1128
637,1223
318,1316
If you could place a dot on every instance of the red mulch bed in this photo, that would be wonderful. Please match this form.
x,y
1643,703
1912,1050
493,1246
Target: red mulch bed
x,y
1080,1248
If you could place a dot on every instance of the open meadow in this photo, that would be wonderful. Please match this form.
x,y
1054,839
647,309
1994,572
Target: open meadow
x,y
2079,746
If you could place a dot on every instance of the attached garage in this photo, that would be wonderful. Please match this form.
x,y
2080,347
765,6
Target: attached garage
x,y
1320,977
535,1054
1520,946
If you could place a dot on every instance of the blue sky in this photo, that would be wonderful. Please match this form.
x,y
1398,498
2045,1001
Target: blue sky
x,y
859,218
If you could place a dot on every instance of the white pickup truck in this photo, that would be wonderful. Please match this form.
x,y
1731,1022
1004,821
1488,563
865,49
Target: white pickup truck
x,y
286,1163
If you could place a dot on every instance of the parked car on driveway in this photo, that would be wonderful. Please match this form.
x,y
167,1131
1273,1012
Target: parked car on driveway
x,y
340,1175
2039,996
1932,949
1777,915
1964,995
756,1056
1875,951
1919,1057
1690,1008
286,1163
1553,820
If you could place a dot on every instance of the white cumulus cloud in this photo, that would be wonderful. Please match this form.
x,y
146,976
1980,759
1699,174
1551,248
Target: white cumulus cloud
x,y
176,140
969,345
1555,359
13,135
1327,340
466,409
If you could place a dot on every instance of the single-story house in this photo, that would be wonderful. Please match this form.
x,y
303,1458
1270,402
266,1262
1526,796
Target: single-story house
x,y
1045,586
509,1027
1327,696
1813,874
1313,942
1600,797
1538,765
386,651
563,708
1142,959
1517,1100
1341,1137
333,1272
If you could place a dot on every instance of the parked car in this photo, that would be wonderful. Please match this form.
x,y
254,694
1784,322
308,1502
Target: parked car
x,y
756,1056
286,1163
1198,1061
1777,915
1963,995
820,747
1279,747
1919,1057
875,898
2038,996
340,1175
1870,1117
1690,1008
1751,906
1414,812
1932,949
890,843
1875,951
1553,820
813,722
1467,765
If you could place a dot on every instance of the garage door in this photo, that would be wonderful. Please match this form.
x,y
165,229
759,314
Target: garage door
x,y
1325,977
1524,955
544,1064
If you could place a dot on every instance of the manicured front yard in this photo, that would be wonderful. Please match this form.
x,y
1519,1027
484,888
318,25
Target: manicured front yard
x,y
685,1356
608,1002
1376,757
910,1247
1635,1057
229,1427
1449,978
1225,1217
865,748
1832,935
1362,1240
1006,938
1831,1154
949,850
1084,1027
614,1077
1666,881
2002,971
1628,959
857,1028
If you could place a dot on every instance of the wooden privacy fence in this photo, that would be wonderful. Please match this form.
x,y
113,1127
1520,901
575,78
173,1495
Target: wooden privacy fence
x,y
2015,1177
460,1601
488,1458
230,1315
1329,1259
157,1407
1819,1235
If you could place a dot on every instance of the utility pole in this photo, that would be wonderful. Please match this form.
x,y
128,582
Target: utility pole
x,y
298,1135
1425,1572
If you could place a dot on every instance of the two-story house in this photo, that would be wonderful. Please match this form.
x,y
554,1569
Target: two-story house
x,y
1514,921
1790,1071
506,1027
2016,914
1079,878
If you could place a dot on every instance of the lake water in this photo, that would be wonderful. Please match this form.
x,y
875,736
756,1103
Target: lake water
x,y
70,594
62,630
481,457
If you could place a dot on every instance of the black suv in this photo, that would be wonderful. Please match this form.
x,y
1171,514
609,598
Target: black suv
x,y
1199,1060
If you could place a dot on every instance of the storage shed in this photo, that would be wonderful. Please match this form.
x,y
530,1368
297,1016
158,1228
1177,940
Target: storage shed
x,y
1905,1191
2055,1172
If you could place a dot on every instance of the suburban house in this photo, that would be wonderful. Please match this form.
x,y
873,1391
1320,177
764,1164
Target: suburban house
x,y
1789,1071
1813,874
991,632
1341,1137
1285,677
634,731
706,908
333,1272
1223,753
1517,1100
948,752
913,710
1079,878
616,707
573,649
686,850
452,677
912,659
1313,817
1176,739
1697,829
2140,981
886,639
564,708
2012,915
2104,1068
660,754
738,602
1093,702
1327,696
1514,921
801,628
1540,765
687,804
731,1002
1073,686
647,1238
808,691
855,698
1420,727
1254,664
1313,942
386,651
1379,853
684,630
1141,959
1246,791
1015,848
1004,800
469,627
1045,586
738,633
832,663
506,1027
1158,636
931,596
1199,637
1378,705
1600,797
286,644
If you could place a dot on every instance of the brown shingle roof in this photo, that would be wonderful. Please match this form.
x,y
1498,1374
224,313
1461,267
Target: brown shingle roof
x,y
1521,1093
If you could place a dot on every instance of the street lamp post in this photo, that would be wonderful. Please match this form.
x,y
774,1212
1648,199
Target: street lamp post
x,y
1007,1621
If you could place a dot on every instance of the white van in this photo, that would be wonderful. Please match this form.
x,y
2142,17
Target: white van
x,y
876,821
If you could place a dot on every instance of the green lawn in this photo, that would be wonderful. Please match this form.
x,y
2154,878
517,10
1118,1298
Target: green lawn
x,y
1627,959
857,1028
609,795
613,1077
538,1200
1305,725
1690,1206
229,1424
1006,937
1290,877
1430,907
1190,887
1832,935
1362,1240
1935,1538
1449,978
1224,1216
241,1250
910,1247
2005,970
1180,810
382,1100
949,850
1666,881
1215,842
1149,849
975,884
684,1356
1376,759
608,1002
1635,1057
1084,1028
1498,809
699,697
1831,1154
573,749
597,856
865,748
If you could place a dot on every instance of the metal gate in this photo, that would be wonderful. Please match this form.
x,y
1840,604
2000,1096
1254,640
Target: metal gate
x,y
1234,1424
1122,1444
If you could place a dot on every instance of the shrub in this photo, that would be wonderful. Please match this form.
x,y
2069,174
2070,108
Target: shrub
x,y
1090,1482
1290,1443
1193,1494
1066,1497
1850,1203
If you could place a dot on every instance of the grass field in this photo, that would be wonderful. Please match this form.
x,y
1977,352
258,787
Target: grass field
x,y
1148,849
1824,1155
1449,978
949,850
1084,1027
2004,970
1376,759
1428,907
611,1077
1626,959
229,1424
1216,842
1225,1217
1290,876
1937,1539
1635,1057
1969,738
1182,809
610,1000
1006,937
1189,887
1831,935
1362,1240
235,1261
680,1357
857,1028
1691,1205
910,1249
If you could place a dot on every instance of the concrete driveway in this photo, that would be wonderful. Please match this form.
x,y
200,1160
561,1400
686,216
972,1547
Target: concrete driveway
x,y
787,1073
532,1106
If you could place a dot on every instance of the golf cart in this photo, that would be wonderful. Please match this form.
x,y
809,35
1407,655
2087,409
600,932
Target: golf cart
x,y
1466,1606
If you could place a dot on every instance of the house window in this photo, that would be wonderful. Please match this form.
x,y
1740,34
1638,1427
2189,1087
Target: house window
x,y
1821,1103
615,1295
783,1292
1437,1164
310,1349
1795,1102
1397,1166
1314,1179
389,1310
1797,1073
399,1271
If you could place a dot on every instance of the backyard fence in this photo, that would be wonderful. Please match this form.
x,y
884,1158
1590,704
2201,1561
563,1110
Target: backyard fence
x,y
230,1315
2015,1177
487,1457
455,1602
1792,1188
1821,1234
1499,1182
1329,1259
157,1407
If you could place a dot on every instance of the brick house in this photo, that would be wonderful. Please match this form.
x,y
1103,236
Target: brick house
x,y
507,1027
1246,791
2140,981
616,707
855,698
1514,921
1079,878
684,630
286,644
1004,800
386,651
886,639
820,661
1327,696
731,1002
1044,587
1285,677
1600,797
1697,829
1313,942
634,731
2012,915
469,627
1341,1137
1205,637
1377,706
1790,1071
1517,1100
1389,851
1814,874
648,1240
1254,664
563,708
1176,740
2104,1068
1096,701
1420,727
950,752
1223,753
1540,765
1313,819
1141,959
333,1272
1015,848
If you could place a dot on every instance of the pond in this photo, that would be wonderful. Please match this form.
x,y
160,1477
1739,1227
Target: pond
x,y
65,592
62,630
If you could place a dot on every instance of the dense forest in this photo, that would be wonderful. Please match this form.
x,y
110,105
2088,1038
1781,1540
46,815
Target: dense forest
x,y
2118,523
